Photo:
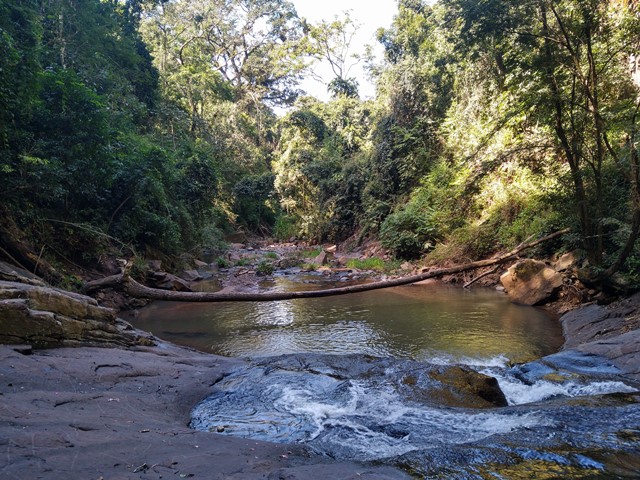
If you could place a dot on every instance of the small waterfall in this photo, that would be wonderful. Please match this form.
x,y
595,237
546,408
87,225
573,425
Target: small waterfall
x,y
358,407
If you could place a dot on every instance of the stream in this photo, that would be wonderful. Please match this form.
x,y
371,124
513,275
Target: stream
x,y
400,376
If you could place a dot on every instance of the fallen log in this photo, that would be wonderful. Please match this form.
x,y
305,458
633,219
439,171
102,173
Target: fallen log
x,y
137,290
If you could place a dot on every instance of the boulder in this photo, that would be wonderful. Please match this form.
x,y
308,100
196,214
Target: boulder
x,y
321,259
565,262
531,282
200,264
47,317
109,265
234,257
154,265
461,386
167,281
191,275
286,263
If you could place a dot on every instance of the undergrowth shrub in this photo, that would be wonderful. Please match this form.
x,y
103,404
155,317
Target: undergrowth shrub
x,y
373,263
409,232
286,227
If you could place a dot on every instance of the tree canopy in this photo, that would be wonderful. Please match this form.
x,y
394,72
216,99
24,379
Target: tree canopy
x,y
159,126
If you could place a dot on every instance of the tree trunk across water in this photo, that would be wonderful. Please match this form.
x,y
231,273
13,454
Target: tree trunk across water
x,y
135,289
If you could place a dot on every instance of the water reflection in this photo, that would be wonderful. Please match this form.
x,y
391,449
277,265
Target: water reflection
x,y
420,322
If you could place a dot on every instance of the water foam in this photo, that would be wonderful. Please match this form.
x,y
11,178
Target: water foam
x,y
372,421
518,392
497,361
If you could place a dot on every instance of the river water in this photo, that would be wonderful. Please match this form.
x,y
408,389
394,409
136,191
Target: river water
x,y
423,322
352,377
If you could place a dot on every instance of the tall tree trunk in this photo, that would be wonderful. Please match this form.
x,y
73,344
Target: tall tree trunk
x,y
634,180
570,149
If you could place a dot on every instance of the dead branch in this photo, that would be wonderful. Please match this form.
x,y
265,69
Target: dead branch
x,y
479,277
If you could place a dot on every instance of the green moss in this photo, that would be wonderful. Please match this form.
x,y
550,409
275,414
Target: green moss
x,y
527,269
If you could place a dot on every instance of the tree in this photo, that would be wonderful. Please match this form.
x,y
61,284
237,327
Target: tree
x,y
414,92
317,165
564,66
331,42
20,34
254,46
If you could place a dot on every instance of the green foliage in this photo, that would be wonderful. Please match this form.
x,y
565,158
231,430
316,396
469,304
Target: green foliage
x,y
372,263
312,253
409,232
76,133
222,262
285,227
139,268
271,255
252,200
343,87
561,82
317,165
71,133
494,123
265,268
255,48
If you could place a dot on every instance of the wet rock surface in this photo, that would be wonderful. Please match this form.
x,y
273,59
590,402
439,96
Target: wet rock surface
x,y
568,413
350,406
122,414
612,332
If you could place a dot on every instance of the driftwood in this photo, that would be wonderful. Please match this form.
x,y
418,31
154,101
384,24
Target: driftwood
x,y
480,277
135,289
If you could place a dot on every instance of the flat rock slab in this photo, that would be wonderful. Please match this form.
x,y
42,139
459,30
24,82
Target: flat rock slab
x,y
122,414
612,332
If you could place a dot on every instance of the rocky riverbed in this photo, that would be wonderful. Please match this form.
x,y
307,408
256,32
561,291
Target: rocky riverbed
x,y
105,413
121,413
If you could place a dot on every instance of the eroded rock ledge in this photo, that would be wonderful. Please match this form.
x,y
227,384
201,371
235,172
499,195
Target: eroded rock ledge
x,y
48,317
612,332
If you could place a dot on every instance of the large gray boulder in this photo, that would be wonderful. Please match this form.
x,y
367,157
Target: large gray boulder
x,y
531,282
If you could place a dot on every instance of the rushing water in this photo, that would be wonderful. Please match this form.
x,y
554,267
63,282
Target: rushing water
x,y
423,322
355,407
360,377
